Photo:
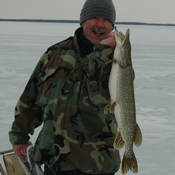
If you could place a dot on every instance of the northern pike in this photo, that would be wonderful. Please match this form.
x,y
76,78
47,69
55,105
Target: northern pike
x,y
121,89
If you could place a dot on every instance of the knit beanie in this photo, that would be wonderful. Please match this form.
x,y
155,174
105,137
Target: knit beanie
x,y
98,8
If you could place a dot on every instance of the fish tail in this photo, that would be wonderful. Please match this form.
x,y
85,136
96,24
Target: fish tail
x,y
129,163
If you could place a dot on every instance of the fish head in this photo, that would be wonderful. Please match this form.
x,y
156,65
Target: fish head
x,y
122,51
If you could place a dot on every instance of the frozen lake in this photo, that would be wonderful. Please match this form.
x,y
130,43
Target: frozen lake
x,y
153,55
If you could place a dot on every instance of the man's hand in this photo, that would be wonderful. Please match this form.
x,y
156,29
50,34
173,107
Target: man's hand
x,y
110,41
20,150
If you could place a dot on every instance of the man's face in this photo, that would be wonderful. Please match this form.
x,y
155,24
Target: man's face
x,y
96,29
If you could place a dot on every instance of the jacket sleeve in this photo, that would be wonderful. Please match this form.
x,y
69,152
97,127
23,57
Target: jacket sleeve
x,y
28,115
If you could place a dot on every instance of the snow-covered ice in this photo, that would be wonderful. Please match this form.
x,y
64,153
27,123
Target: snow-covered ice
x,y
153,55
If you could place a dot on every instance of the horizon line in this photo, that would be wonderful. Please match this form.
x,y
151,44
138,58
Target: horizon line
x,y
77,21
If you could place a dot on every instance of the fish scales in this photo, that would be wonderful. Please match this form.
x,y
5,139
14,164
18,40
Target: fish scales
x,y
121,91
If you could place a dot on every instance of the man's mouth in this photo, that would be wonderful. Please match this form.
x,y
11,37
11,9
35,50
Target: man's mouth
x,y
98,31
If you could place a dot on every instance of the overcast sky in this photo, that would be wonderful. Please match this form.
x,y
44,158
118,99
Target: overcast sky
x,y
149,11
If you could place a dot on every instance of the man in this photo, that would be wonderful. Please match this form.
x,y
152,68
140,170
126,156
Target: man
x,y
68,92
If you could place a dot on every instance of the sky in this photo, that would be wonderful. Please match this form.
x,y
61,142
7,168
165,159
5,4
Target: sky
x,y
149,11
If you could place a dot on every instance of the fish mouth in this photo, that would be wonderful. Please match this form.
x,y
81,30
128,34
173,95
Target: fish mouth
x,y
122,51
120,37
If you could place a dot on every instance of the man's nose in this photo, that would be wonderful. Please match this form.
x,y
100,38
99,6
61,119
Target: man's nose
x,y
100,22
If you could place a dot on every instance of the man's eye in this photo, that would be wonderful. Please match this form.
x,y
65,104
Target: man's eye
x,y
106,19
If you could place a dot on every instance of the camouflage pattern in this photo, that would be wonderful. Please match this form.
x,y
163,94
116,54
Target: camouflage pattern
x,y
68,94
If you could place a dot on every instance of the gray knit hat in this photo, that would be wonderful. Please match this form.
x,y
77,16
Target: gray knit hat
x,y
98,8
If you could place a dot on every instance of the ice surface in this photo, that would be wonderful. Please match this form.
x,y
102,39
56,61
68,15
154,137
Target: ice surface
x,y
153,55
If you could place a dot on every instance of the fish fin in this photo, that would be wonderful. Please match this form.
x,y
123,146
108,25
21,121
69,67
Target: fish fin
x,y
112,107
138,137
129,163
111,61
118,142
107,108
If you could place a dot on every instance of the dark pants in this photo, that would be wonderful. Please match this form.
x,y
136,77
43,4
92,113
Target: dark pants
x,y
48,171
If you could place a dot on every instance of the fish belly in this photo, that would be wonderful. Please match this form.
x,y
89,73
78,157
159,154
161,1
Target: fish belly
x,y
113,82
112,90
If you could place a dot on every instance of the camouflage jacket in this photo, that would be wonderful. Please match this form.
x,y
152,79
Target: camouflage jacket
x,y
68,93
